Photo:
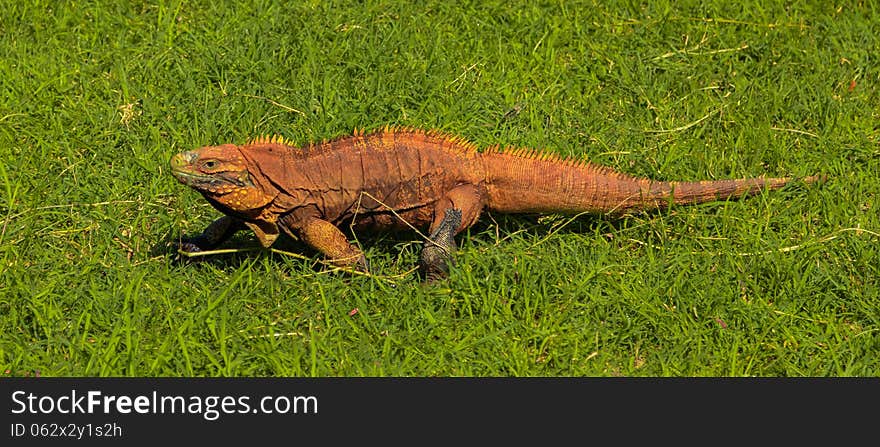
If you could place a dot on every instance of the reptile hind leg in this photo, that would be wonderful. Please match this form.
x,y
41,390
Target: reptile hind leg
x,y
458,210
440,246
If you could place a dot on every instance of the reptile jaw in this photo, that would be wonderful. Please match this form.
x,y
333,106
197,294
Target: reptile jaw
x,y
191,179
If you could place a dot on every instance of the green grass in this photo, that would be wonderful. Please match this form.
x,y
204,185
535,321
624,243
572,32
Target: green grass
x,y
96,96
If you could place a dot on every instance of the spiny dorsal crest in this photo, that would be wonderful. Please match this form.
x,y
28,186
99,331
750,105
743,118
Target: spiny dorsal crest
x,y
466,147
461,144
269,139
532,154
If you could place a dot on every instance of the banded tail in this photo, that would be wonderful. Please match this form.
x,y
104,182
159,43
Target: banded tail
x,y
529,182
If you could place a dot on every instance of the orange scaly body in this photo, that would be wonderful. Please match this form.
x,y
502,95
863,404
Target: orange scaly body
x,y
397,178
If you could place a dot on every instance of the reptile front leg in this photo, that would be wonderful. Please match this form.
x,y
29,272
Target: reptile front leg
x,y
215,234
327,239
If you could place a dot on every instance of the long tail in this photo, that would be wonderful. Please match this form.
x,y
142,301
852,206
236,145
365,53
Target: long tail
x,y
530,182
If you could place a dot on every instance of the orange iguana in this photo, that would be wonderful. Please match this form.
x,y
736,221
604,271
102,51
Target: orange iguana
x,y
399,178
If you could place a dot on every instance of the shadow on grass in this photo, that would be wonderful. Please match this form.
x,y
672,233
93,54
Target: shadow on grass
x,y
389,243
243,241
540,225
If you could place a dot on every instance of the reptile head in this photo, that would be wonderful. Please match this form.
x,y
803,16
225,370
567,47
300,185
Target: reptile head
x,y
221,174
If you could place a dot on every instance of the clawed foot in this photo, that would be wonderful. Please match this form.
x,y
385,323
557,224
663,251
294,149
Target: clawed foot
x,y
433,264
188,245
362,265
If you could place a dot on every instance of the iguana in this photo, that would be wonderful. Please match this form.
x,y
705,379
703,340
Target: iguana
x,y
403,177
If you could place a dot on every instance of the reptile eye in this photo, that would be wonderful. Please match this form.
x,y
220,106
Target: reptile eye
x,y
210,164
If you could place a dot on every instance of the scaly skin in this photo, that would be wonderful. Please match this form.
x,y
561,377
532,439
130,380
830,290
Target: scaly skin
x,y
397,178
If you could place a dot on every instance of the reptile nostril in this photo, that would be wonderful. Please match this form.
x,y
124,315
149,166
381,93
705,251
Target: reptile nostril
x,y
182,159
178,161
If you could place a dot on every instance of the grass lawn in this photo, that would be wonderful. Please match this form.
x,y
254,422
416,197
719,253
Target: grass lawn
x,y
96,96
